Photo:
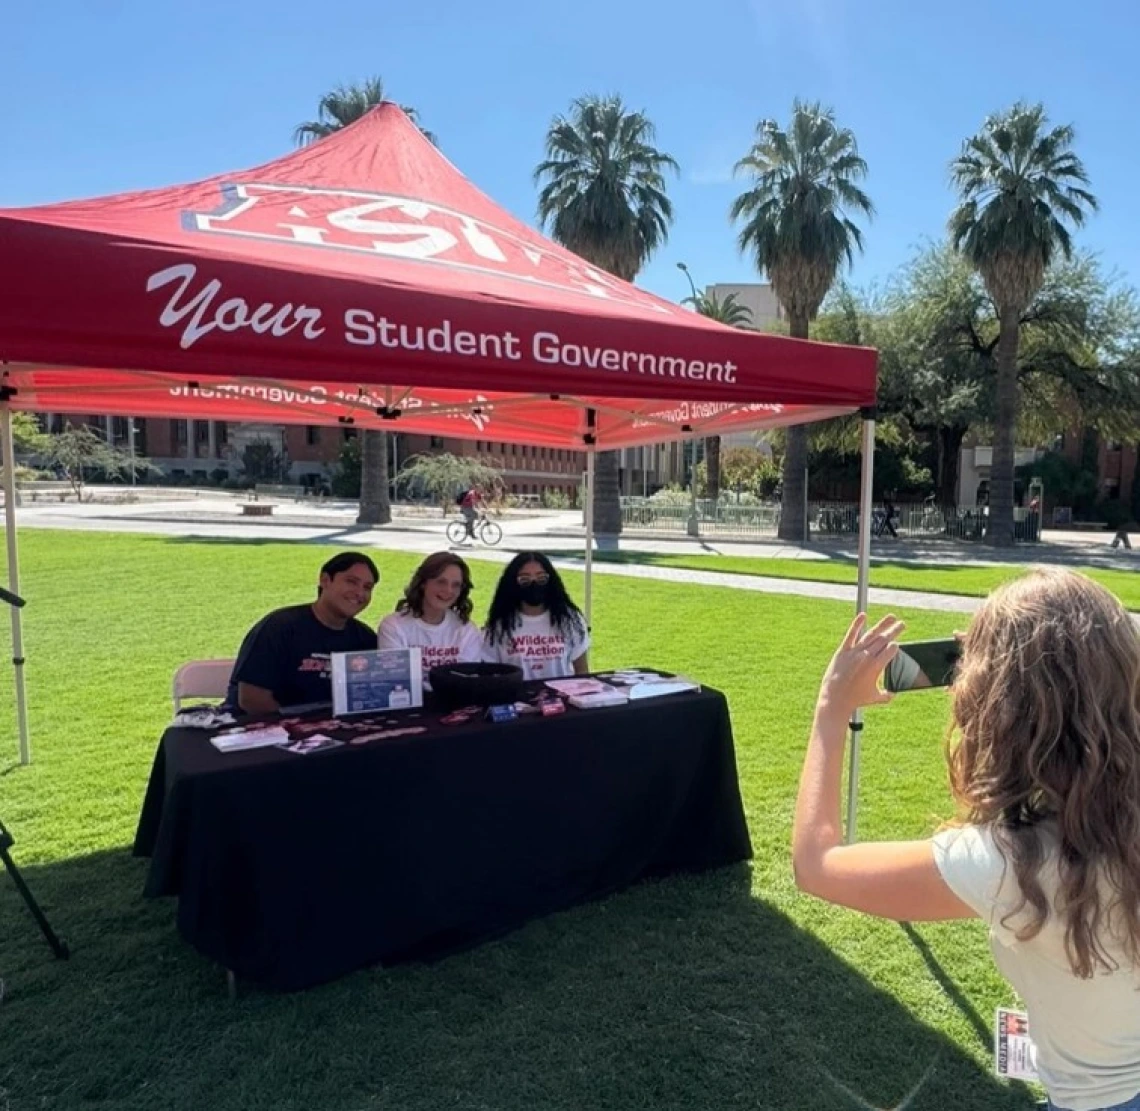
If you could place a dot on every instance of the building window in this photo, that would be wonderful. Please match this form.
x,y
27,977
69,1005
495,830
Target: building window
x,y
178,433
312,435
201,432
437,441
1112,445
220,432
350,433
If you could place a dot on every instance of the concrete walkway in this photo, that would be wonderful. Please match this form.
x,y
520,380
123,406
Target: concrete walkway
x,y
217,516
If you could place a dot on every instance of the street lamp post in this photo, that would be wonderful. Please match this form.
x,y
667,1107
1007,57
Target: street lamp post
x,y
692,285
694,525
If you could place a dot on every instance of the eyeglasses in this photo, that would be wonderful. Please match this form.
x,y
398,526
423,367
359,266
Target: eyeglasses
x,y
541,580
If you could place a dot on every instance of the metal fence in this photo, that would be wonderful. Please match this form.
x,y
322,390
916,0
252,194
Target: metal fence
x,y
918,520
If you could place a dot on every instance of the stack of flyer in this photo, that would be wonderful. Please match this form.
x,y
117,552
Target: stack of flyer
x,y
588,694
237,740
640,684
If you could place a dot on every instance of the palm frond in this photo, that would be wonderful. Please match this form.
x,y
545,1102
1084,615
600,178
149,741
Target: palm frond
x,y
796,216
603,184
1022,190
345,105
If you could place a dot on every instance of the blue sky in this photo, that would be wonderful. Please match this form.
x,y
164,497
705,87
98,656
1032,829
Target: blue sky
x,y
99,96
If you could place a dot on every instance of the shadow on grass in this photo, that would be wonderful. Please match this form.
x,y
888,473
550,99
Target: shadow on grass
x,y
953,992
683,993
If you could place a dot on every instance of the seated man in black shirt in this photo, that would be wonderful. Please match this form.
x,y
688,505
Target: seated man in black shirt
x,y
285,659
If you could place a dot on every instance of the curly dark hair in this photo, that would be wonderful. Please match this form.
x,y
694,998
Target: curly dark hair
x,y
432,567
503,617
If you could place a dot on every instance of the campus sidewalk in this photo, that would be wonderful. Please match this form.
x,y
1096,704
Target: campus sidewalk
x,y
218,517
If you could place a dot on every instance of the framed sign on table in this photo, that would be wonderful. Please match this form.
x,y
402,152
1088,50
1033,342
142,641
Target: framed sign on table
x,y
384,679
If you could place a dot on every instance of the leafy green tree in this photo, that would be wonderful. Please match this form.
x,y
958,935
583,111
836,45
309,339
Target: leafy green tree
x,y
603,196
795,221
262,462
27,436
443,476
1021,189
81,455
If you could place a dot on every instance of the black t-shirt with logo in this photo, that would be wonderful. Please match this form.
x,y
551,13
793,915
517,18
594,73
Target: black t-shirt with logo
x,y
289,653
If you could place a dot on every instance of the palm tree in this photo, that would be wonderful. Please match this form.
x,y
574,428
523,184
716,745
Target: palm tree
x,y
803,184
728,310
603,197
337,109
1021,187
345,105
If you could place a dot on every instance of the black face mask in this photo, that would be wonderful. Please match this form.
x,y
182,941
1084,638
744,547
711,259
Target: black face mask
x,y
533,594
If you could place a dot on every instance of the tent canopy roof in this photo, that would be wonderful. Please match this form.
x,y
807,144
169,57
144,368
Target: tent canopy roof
x,y
365,273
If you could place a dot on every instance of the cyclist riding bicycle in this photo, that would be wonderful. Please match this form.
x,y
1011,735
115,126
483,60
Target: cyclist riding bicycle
x,y
469,502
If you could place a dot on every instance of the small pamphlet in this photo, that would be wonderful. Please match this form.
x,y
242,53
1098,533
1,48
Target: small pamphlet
x,y
596,699
315,742
656,685
384,679
1015,1055
577,688
238,740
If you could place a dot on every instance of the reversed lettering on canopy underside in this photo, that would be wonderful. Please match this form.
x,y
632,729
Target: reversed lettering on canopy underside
x,y
409,229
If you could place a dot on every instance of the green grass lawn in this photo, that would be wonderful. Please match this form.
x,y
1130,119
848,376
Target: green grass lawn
x,y
725,990
976,580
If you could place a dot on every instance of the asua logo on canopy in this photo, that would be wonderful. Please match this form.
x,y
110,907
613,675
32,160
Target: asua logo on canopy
x,y
404,228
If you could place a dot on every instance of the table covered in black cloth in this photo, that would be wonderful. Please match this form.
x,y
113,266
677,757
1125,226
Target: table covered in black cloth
x,y
294,869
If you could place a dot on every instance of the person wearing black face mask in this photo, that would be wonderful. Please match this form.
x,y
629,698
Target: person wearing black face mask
x,y
533,624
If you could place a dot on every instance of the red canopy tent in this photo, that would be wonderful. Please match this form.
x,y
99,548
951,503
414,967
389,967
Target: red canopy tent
x,y
365,279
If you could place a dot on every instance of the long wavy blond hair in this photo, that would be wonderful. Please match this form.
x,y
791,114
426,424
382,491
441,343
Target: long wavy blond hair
x,y
1047,734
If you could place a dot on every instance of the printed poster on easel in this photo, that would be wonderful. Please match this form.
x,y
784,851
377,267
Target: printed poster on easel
x,y
383,679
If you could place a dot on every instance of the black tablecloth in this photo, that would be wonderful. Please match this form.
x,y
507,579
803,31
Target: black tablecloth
x,y
295,869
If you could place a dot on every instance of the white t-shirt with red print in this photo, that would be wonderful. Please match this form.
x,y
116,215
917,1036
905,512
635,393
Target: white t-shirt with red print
x,y
451,641
541,649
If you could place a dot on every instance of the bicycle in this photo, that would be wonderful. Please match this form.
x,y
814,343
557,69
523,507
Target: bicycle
x,y
483,528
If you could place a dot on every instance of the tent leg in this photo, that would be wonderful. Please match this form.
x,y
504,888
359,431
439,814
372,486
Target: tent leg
x,y
9,463
589,536
865,507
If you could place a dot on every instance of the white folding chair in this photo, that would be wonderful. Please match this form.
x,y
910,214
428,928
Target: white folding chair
x,y
202,679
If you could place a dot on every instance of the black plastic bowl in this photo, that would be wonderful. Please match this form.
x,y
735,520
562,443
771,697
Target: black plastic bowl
x,y
476,684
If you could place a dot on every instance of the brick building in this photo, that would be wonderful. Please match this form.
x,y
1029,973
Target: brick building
x,y
197,449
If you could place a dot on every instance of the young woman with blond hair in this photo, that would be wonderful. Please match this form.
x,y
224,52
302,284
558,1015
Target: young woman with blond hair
x,y
1044,762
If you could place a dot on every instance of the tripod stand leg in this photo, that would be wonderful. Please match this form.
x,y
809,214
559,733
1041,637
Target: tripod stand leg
x,y
58,947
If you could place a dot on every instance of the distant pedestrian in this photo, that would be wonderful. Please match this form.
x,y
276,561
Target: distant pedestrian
x,y
1121,537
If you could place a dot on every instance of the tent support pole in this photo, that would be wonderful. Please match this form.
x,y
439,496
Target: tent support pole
x,y
9,463
591,420
865,509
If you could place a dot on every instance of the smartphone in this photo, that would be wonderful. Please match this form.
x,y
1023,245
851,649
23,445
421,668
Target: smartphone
x,y
923,663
